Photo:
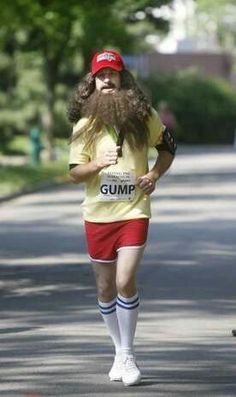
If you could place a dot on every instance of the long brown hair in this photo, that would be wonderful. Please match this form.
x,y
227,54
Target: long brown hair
x,y
131,106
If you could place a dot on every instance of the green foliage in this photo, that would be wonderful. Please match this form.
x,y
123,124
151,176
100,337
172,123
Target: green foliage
x,y
204,108
21,101
25,177
19,145
218,16
45,46
19,173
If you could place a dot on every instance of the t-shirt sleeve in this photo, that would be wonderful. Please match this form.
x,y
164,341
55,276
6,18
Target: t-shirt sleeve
x,y
78,154
156,129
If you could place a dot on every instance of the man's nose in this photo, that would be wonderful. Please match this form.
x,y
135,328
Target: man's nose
x,y
107,78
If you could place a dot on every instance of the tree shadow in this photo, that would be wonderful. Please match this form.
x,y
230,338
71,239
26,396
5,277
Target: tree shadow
x,y
53,340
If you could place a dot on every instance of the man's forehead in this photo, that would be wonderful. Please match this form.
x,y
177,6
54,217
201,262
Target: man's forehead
x,y
107,69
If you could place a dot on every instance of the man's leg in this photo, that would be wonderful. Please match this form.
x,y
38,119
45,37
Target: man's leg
x,y
105,275
127,308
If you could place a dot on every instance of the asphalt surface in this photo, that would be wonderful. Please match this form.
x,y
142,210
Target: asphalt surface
x,y
53,341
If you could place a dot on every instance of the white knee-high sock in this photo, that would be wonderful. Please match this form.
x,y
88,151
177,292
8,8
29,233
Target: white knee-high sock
x,y
108,312
127,314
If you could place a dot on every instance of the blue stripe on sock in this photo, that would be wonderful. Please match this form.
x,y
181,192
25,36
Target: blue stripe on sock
x,y
128,308
107,307
128,303
109,312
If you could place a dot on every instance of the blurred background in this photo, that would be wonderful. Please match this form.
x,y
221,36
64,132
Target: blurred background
x,y
181,51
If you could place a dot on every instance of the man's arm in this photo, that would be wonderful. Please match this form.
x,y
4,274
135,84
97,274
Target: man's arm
x,y
148,181
166,152
162,164
82,172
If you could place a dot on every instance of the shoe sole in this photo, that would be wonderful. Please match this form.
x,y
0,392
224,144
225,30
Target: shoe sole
x,y
115,379
137,382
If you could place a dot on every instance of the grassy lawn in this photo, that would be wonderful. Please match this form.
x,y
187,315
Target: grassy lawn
x,y
14,178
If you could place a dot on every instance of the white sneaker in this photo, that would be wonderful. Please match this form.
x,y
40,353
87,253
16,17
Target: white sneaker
x,y
131,374
115,373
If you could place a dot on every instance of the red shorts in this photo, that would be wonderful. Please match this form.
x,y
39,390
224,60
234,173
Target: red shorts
x,y
104,240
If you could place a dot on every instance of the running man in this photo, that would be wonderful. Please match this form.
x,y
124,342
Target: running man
x,y
114,126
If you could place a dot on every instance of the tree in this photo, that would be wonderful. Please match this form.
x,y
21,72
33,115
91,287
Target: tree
x,y
56,31
219,17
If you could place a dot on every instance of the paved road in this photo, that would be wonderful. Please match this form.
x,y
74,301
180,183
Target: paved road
x,y
53,342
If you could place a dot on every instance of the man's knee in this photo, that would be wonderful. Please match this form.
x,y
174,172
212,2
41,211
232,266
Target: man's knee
x,y
106,289
126,286
105,280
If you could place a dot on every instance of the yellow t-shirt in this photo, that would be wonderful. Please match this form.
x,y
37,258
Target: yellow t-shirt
x,y
112,194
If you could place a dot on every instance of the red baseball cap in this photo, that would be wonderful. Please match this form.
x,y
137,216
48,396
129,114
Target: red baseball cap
x,y
106,59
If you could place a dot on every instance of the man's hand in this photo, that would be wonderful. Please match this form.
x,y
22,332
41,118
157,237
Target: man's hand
x,y
107,157
147,182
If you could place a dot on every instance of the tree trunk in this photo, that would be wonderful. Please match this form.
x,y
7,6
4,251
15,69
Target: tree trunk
x,y
51,72
48,125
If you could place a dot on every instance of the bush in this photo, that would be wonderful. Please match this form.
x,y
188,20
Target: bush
x,y
205,109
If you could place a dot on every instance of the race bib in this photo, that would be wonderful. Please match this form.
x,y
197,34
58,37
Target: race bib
x,y
117,186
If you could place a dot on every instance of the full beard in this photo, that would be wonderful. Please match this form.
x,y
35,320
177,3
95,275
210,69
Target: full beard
x,y
112,109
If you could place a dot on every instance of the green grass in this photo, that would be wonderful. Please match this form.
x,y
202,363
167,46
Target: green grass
x,y
14,179
19,145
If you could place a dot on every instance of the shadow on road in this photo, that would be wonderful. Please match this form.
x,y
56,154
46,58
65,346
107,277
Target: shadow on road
x,y
53,340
